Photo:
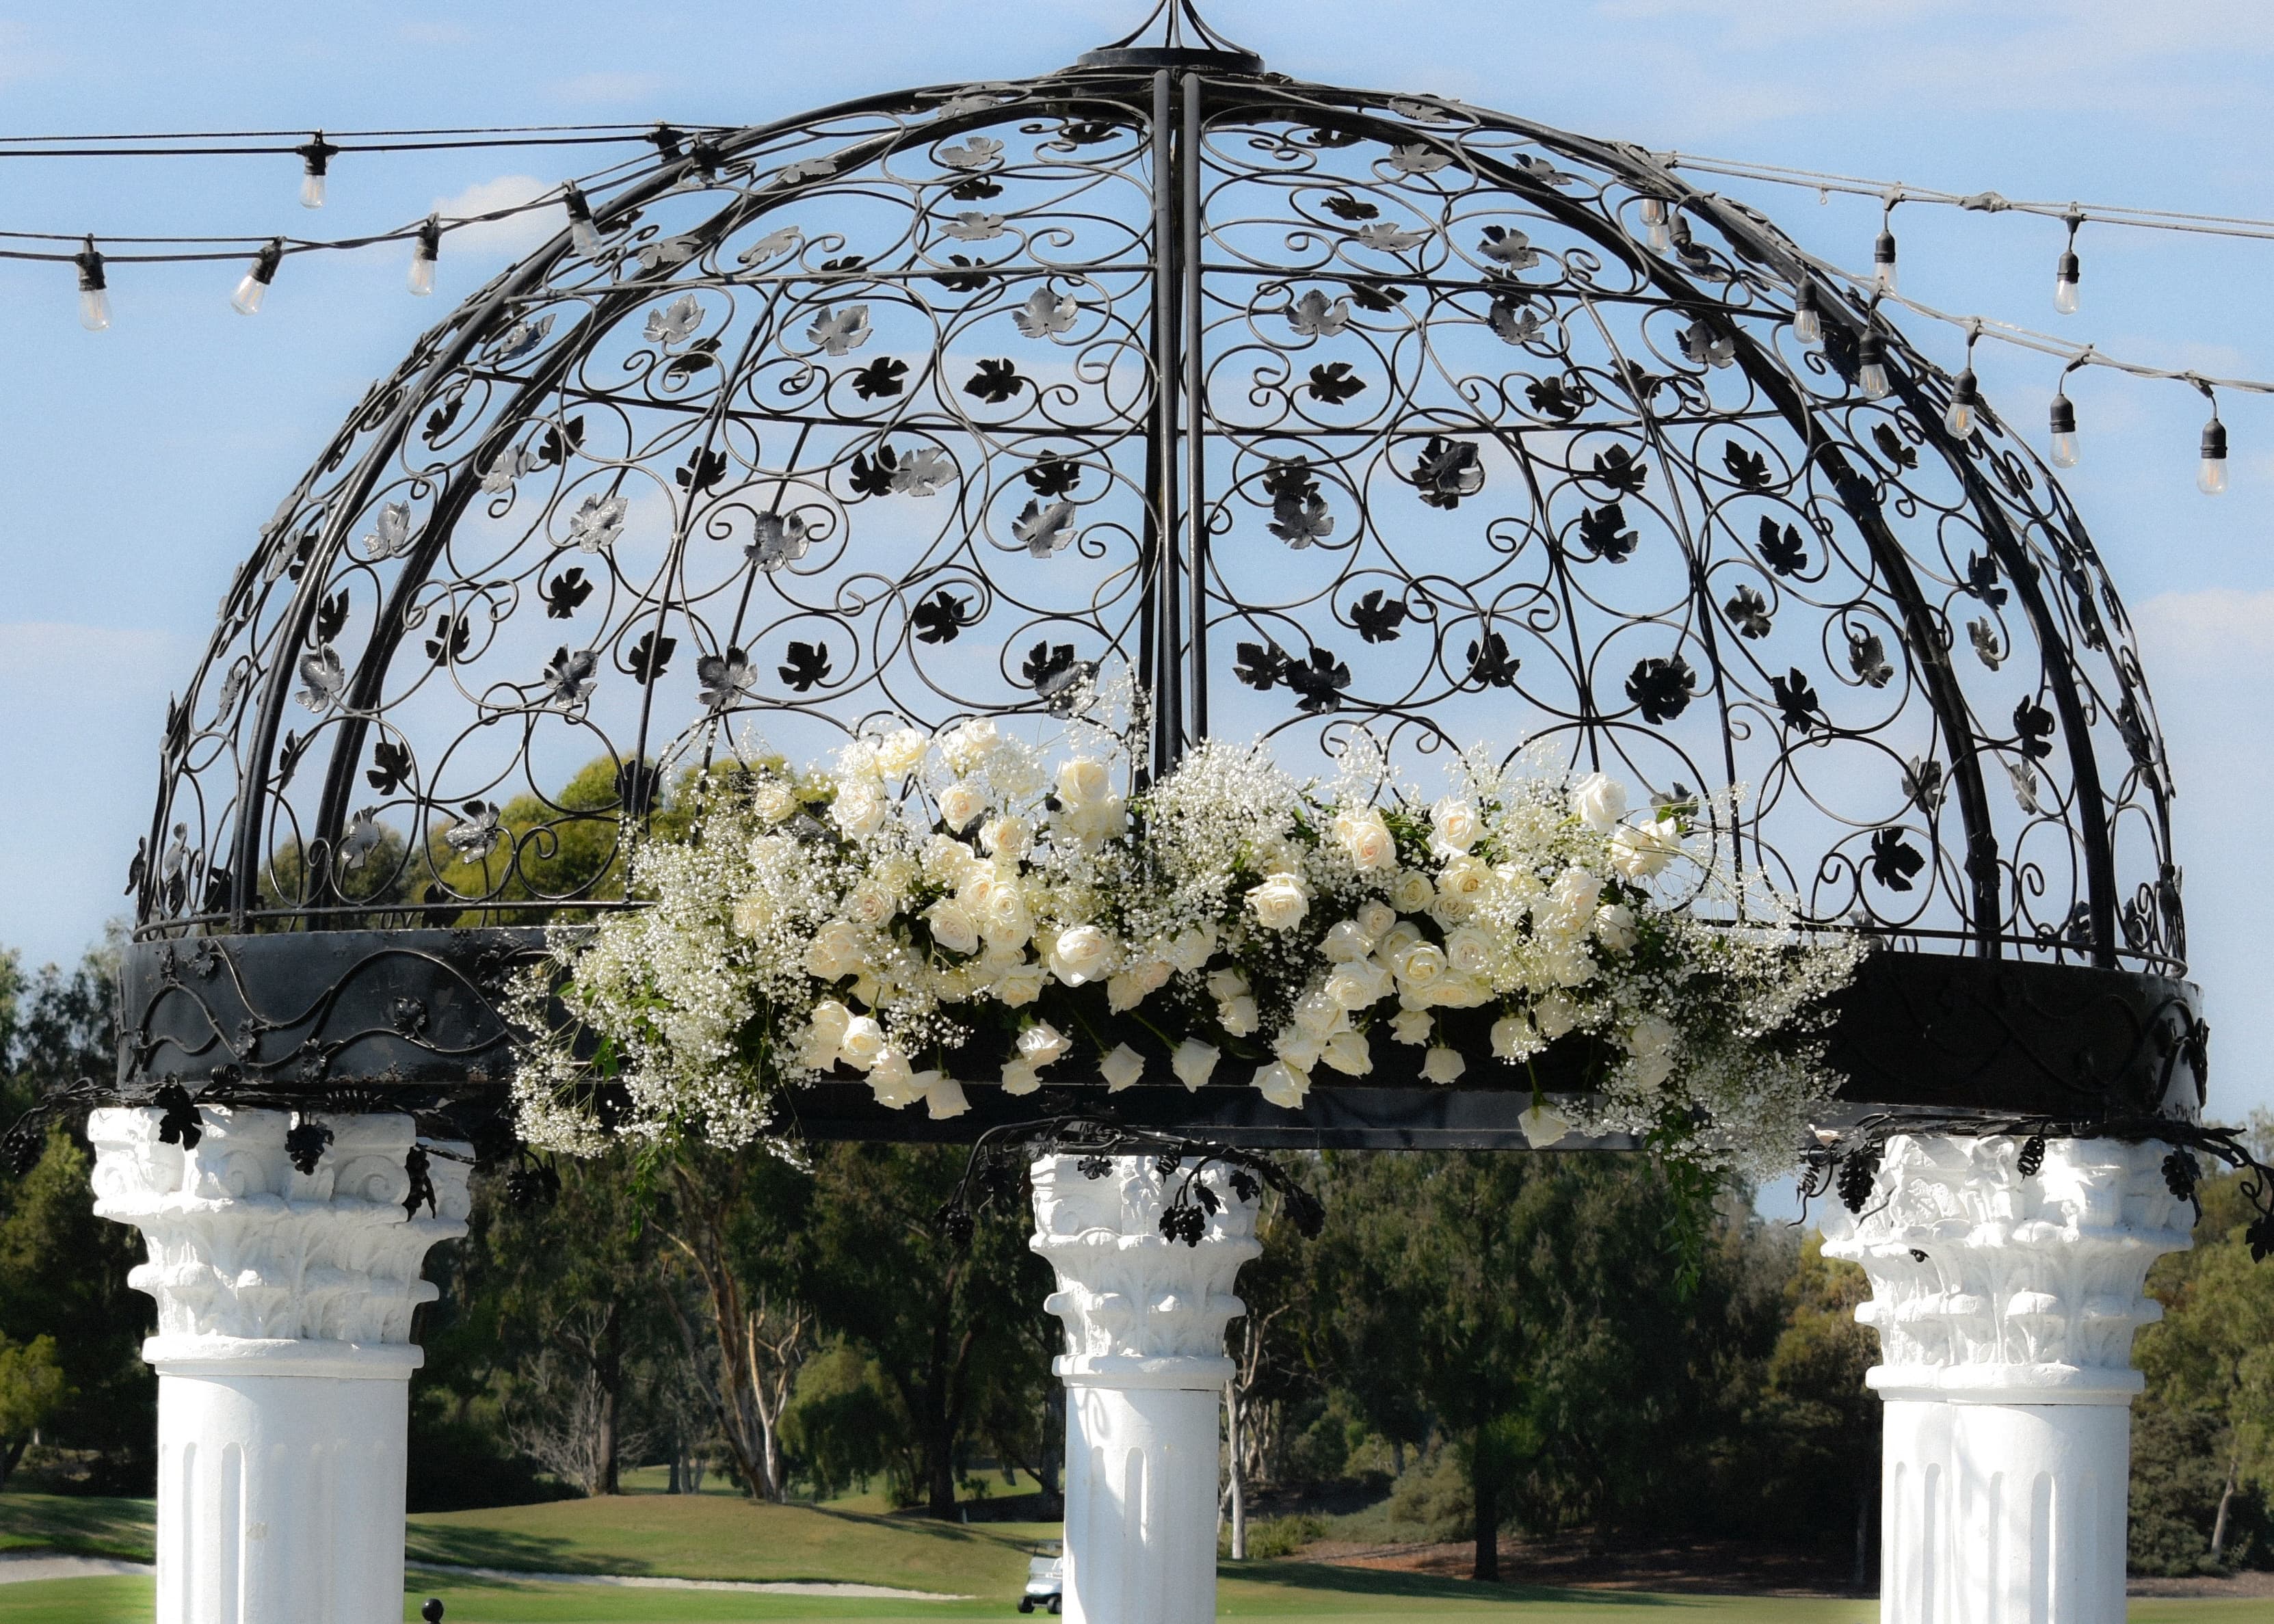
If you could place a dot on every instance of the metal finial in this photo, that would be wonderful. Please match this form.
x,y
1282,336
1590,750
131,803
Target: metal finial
x,y
1185,39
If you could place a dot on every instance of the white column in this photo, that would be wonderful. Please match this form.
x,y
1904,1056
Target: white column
x,y
283,1355
1144,1369
2005,1306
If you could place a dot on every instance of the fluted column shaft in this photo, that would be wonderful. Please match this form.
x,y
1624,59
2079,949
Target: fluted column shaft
x,y
284,1354
2006,1304
1144,1369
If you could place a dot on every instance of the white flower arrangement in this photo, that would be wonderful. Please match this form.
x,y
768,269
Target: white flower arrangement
x,y
935,904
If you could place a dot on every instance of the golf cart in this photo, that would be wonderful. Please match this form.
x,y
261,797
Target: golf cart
x,y
1045,1580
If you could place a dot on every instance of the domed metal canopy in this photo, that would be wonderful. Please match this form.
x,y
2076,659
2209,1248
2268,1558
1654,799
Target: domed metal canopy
x,y
1306,409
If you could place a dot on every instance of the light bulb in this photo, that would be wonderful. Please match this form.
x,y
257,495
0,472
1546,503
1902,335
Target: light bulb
x,y
2065,284
423,255
2210,473
1807,323
93,295
1872,366
2064,428
1658,226
255,288
584,236
1958,416
316,157
1883,261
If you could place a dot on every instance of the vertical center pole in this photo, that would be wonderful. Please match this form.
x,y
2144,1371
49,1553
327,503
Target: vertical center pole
x,y
1165,677
1196,514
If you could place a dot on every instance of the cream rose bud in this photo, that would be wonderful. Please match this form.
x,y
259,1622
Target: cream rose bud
x,y
959,804
1395,940
952,927
1376,919
1412,1026
772,801
1356,985
1615,927
1318,1015
1464,876
1541,1127
1193,948
896,1092
1226,984
1372,847
1121,1069
1195,1063
901,752
1009,838
1443,1065
1640,850
1020,1076
1020,985
1299,1049
1084,781
870,905
1007,917
1454,824
944,1096
1570,902
1420,966
829,1021
834,951
967,744
1650,1035
862,1042
1554,1015
892,1065
859,808
1599,800
1085,953
1279,903
1239,1016
1411,891
1041,1043
1469,951
1514,1038
1460,992
1649,1070
1281,1084
1345,941
1348,1053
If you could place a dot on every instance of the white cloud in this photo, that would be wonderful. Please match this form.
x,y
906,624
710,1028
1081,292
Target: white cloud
x,y
509,238
2186,632
609,87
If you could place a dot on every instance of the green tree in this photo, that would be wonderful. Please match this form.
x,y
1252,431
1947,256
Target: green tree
x,y
32,1388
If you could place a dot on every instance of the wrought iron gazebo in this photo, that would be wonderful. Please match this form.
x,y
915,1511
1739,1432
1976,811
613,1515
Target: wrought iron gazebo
x,y
1294,412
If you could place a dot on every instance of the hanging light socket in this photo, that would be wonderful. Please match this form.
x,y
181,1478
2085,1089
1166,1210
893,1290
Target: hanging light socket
x,y
2064,428
93,289
315,161
424,252
2065,275
1965,400
583,234
2211,472
1657,224
1872,366
1883,260
255,287
1807,320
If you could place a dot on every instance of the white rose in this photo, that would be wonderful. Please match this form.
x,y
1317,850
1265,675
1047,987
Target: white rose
x,y
995,959
1599,800
1121,1069
1084,781
834,951
857,760
1412,1026
967,746
1542,1127
1650,1037
1347,1053
1298,1050
1007,837
892,1065
829,1021
1640,850
1021,985
1239,1016
772,801
1376,919
1126,990
862,1042
754,913
1361,982
944,1096
1420,966
1193,948
1345,941
1195,1063
1372,847
952,927
1443,1065
1400,936
1282,1084
1514,1038
1020,1076
1570,965
901,752
1615,927
1007,918
870,905
1464,876
1571,902
1041,1043
1279,903
1649,1070
1096,820
1460,992
896,1092
947,861
1554,1015
1082,954
1455,824
1319,1016
1412,891
1469,951
1226,983
959,804
859,808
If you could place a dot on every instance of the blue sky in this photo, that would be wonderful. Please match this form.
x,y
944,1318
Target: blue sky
x,y
138,464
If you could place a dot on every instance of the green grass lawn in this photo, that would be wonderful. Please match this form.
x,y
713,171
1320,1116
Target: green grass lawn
x,y
722,1537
